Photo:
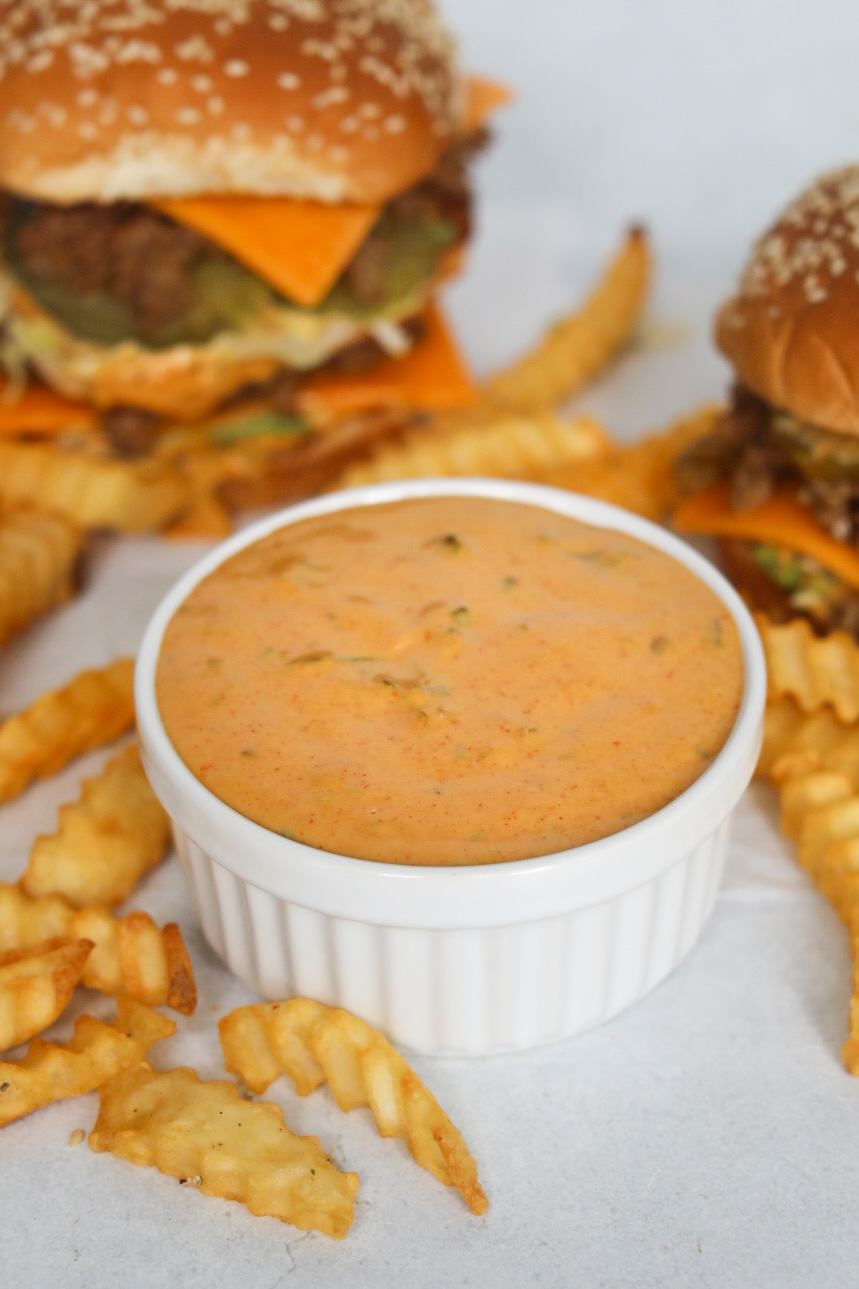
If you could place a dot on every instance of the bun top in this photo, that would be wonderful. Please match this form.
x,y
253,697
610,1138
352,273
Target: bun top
x,y
792,330
340,100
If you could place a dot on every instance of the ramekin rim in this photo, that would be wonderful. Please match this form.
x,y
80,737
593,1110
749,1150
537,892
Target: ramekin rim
x,y
282,850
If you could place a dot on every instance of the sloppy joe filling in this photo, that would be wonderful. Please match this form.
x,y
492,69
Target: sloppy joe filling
x,y
448,680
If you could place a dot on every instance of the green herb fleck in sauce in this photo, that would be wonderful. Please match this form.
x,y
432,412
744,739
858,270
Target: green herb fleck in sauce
x,y
449,542
306,659
600,557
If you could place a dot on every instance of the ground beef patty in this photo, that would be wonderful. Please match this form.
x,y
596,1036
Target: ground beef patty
x,y
757,448
141,258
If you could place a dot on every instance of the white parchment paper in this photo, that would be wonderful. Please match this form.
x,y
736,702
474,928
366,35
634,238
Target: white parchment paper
x,y
707,1136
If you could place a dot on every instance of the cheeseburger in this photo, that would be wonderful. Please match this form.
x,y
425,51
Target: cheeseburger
x,y
778,480
202,199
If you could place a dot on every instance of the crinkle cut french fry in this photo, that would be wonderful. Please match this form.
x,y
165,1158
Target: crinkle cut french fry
x,y
502,445
813,760
39,557
105,841
576,347
796,743
36,985
206,519
314,1043
92,491
96,1052
816,671
231,1148
130,953
95,707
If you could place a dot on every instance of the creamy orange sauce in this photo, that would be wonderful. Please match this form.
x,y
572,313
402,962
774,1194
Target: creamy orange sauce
x,y
451,680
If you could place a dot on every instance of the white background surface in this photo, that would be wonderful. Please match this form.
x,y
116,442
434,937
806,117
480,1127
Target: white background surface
x,y
708,1136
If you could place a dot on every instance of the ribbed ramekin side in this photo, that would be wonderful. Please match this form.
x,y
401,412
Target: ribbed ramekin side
x,y
470,991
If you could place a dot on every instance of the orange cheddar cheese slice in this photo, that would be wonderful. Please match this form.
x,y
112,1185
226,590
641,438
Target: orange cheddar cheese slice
x,y
432,375
482,98
36,409
781,521
301,247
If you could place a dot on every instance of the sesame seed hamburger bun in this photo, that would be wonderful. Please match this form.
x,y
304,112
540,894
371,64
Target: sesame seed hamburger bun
x,y
791,332
338,100
776,481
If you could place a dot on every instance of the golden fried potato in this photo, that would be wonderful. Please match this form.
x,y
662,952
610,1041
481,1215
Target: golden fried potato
x,y
813,760
205,1134
783,727
503,445
578,346
814,670
796,743
130,953
206,519
36,985
95,707
314,1043
96,1052
106,840
638,476
91,490
39,558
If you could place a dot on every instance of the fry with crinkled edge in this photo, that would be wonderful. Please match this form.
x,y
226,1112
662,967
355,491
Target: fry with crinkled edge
x,y
93,708
502,445
96,1052
815,670
130,953
206,1134
91,490
578,346
640,476
36,985
39,558
795,742
314,1043
105,841
813,761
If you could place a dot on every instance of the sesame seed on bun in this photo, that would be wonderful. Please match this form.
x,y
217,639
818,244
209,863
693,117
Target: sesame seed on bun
x,y
791,331
339,100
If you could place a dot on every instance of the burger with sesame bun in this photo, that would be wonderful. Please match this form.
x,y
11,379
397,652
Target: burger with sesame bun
x,y
201,199
777,482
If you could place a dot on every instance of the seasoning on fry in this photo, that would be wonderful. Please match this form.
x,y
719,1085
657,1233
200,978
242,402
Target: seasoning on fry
x,y
96,1052
232,1148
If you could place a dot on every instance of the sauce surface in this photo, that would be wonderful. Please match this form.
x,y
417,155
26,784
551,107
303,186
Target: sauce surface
x,y
448,680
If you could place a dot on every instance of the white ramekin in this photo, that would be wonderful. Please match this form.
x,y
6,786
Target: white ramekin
x,y
470,960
